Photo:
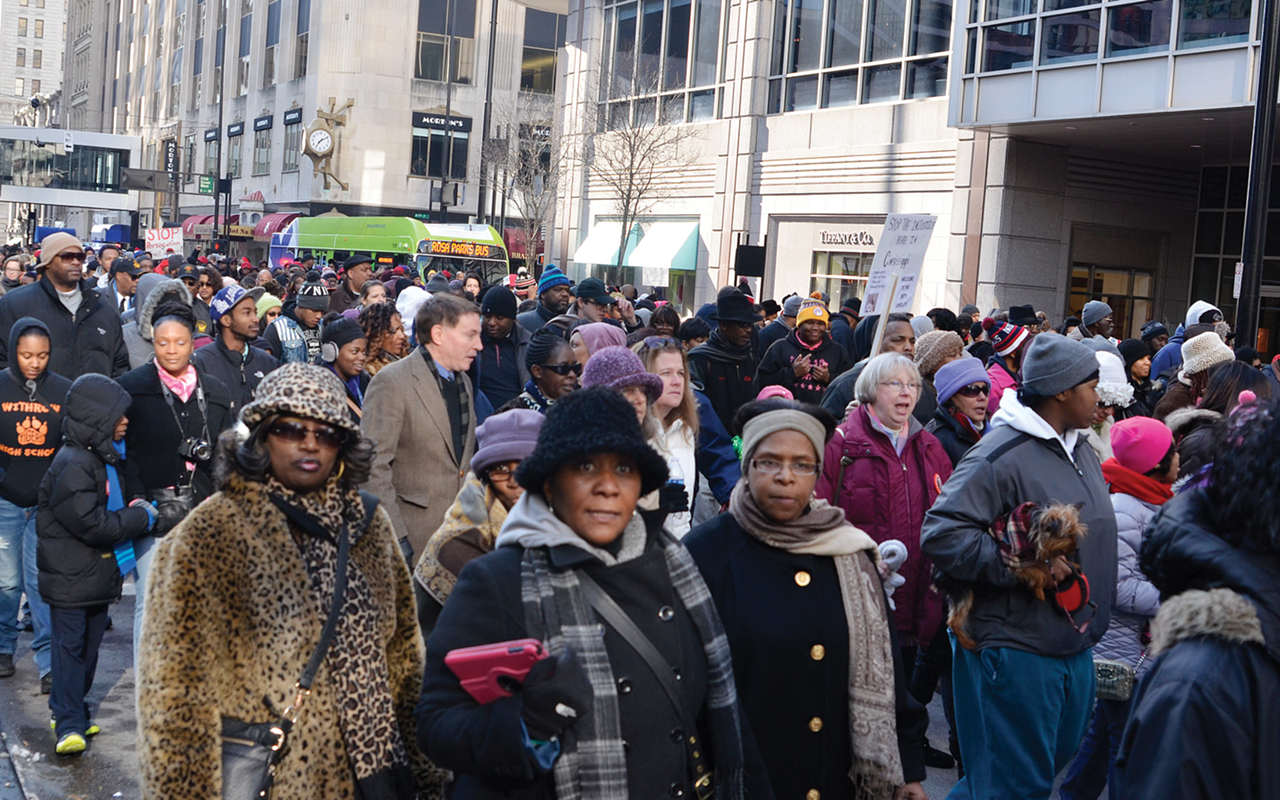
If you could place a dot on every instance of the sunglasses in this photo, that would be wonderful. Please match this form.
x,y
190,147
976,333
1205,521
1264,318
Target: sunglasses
x,y
657,342
974,390
297,432
72,257
564,369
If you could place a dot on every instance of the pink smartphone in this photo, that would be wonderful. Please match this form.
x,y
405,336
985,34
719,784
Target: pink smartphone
x,y
492,671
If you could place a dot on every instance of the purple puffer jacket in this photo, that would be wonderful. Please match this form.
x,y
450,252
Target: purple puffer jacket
x,y
887,496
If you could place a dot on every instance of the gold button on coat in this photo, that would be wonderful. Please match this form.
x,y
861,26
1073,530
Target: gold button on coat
x,y
802,578
815,724
813,794
817,652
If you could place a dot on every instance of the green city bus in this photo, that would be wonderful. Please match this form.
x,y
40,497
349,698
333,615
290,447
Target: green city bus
x,y
396,241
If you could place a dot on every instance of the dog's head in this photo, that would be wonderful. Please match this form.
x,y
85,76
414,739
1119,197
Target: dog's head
x,y
1056,529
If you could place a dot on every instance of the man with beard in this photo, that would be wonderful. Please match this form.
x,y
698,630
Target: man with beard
x,y
554,298
725,367
231,359
499,371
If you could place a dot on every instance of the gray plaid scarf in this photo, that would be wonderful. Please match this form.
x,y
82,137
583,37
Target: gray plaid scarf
x,y
592,763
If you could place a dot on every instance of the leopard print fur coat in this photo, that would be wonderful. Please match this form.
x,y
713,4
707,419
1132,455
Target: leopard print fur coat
x,y
232,619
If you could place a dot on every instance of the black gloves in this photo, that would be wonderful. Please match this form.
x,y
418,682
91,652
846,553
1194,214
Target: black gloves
x,y
556,694
673,498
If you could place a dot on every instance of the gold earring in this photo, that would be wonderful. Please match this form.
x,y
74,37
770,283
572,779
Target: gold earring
x,y
342,467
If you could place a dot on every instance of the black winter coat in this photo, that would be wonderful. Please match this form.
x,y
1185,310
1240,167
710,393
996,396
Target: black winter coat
x,y
240,374
955,436
771,333
30,425
91,342
483,745
153,436
77,533
842,334
727,375
775,367
1203,721
790,649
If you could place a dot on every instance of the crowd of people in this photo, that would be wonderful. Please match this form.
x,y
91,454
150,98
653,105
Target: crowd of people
x,y
732,554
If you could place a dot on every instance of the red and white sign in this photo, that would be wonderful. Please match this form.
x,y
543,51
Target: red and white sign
x,y
161,240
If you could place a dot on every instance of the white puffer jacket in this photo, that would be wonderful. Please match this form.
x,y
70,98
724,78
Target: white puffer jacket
x,y
1137,600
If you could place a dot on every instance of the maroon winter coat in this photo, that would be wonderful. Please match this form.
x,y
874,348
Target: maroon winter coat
x,y
887,496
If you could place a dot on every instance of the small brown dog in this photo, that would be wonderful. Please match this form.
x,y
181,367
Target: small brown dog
x,y
1029,538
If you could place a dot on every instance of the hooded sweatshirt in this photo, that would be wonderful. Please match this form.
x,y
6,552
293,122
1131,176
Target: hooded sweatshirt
x,y
30,423
152,291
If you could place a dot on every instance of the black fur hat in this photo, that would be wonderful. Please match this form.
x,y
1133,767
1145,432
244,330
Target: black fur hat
x,y
596,420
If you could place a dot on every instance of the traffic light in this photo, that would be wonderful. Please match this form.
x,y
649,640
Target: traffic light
x,y
221,247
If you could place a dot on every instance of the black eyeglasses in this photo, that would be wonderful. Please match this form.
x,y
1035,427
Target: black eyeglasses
x,y
297,432
974,390
564,369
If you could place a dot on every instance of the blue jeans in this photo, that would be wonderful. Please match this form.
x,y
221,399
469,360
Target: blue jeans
x,y
18,573
145,550
1090,772
1020,717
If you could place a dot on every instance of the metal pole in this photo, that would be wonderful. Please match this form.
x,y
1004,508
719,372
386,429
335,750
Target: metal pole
x,y
1261,153
448,106
217,158
488,105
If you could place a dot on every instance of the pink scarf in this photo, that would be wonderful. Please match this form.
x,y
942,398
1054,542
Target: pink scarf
x,y
183,385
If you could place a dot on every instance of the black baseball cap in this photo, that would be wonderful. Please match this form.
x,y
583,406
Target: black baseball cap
x,y
187,271
593,289
127,265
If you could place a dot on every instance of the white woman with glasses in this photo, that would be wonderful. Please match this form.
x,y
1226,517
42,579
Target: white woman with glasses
x,y
799,590
961,418
885,470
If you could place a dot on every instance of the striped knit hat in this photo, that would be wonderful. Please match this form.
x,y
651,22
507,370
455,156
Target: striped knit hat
x,y
551,276
1005,337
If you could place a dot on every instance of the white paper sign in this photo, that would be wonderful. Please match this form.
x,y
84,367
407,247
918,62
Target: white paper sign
x,y
1239,279
161,240
875,297
903,243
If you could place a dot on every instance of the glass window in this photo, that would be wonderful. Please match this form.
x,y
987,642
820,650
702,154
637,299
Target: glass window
x,y
885,30
840,89
188,157
39,29
779,50
652,47
292,147
1071,37
35,86
1212,22
624,52
22,26
543,37
802,93
844,35
1003,9
1127,291
19,87
650,59
840,275
211,158
881,83
22,56
430,151
37,59
702,106
234,153
262,152
806,39
675,66
273,23
927,78
931,27
706,42
1139,28
1008,46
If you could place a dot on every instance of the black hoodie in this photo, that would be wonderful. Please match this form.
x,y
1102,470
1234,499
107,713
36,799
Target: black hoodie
x,y
77,532
30,423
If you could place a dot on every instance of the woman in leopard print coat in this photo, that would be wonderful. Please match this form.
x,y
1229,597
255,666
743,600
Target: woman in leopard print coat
x,y
241,592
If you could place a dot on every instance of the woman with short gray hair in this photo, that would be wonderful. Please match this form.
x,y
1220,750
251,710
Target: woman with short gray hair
x,y
885,470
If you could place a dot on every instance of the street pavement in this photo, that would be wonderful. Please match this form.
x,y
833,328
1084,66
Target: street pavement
x,y
108,770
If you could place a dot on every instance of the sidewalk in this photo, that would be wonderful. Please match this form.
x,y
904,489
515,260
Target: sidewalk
x,y
108,770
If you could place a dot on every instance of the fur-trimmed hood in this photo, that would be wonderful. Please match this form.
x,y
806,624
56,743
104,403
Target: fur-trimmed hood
x,y
1209,587
1185,420
158,293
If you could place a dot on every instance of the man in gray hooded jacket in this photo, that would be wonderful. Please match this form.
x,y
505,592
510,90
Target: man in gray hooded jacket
x,y
1023,695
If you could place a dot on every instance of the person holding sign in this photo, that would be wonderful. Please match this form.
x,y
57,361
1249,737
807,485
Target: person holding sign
x,y
807,359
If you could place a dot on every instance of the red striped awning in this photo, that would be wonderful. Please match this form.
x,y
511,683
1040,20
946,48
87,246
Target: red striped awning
x,y
189,224
272,223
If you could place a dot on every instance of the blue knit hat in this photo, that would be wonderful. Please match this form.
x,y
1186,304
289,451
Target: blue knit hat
x,y
955,375
551,276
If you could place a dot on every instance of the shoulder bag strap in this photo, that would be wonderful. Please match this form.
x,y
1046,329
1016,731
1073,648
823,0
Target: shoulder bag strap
x,y
613,614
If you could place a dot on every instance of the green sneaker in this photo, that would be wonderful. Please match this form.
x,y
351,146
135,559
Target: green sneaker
x,y
92,730
70,745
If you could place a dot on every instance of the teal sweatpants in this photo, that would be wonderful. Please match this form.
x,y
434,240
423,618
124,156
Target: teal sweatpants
x,y
1020,717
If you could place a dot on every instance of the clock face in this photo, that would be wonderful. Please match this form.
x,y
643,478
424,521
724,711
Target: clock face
x,y
321,141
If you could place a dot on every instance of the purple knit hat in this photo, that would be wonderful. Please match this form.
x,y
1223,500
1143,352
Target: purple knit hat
x,y
619,368
509,436
599,335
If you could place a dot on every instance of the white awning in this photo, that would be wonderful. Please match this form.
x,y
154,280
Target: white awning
x,y
601,245
667,245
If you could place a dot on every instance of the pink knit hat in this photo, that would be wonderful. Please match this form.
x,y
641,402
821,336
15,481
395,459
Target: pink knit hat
x,y
775,391
1140,443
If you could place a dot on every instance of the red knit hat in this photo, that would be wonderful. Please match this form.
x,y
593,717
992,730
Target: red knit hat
x,y
1005,337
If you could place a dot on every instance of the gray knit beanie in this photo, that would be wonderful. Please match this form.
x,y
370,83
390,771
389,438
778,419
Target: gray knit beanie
x,y
1094,312
1055,364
